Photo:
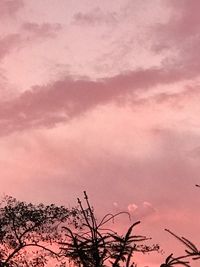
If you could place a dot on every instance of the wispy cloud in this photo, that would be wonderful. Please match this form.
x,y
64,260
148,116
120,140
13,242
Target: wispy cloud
x,y
10,7
95,16
180,36
41,30
8,43
68,98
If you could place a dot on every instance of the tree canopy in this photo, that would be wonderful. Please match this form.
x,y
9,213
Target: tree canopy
x,y
29,233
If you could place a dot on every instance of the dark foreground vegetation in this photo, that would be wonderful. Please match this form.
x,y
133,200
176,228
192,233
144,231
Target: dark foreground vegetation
x,y
49,235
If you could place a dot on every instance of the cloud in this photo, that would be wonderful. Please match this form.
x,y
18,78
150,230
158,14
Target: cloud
x,y
66,99
128,152
147,205
182,27
141,211
10,7
132,207
95,16
8,43
184,21
41,30
180,37
31,31
95,154
107,153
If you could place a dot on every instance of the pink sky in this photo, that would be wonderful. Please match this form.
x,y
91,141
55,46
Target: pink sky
x,y
104,96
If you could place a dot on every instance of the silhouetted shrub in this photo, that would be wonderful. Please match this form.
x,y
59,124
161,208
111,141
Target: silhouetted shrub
x,y
96,246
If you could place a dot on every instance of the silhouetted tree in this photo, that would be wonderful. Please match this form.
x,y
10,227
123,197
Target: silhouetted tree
x,y
29,233
97,246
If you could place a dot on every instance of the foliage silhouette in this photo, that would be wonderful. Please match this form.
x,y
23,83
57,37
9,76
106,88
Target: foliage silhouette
x,y
96,246
31,235
28,233
191,252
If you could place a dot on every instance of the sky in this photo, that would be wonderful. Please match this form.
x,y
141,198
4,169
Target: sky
x,y
103,96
